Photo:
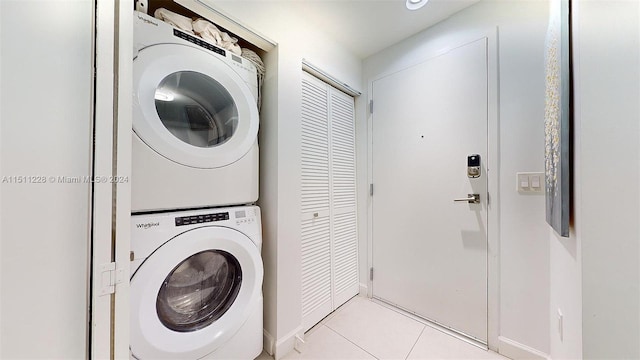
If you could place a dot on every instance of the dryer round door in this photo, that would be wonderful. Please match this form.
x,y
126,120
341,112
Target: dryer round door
x,y
191,107
194,293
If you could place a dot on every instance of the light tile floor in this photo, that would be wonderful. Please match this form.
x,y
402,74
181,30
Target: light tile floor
x,y
364,329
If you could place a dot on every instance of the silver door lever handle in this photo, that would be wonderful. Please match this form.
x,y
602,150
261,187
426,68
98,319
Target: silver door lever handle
x,y
472,199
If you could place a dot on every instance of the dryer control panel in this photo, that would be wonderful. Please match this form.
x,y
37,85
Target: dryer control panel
x,y
200,219
237,60
199,42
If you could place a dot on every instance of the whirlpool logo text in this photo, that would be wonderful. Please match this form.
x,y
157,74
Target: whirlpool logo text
x,y
147,21
147,225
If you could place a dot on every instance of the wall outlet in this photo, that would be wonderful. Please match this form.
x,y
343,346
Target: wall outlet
x,y
560,324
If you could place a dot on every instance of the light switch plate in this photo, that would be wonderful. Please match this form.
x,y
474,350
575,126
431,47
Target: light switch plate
x,y
535,182
530,182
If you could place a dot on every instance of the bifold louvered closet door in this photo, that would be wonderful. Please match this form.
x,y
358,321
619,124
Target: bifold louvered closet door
x,y
329,241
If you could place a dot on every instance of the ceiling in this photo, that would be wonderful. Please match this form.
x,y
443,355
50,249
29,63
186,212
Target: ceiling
x,y
363,26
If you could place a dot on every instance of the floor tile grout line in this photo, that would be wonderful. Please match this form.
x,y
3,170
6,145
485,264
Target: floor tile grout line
x,y
415,343
407,317
329,319
341,308
383,306
428,323
397,311
338,310
356,345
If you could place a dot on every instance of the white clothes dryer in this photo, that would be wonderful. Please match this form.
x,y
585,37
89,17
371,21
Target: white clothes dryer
x,y
195,122
196,284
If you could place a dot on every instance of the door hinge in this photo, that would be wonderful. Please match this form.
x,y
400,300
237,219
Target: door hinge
x,y
371,274
371,106
110,276
371,189
488,199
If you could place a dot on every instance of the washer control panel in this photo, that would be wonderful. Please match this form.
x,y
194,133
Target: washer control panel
x,y
200,219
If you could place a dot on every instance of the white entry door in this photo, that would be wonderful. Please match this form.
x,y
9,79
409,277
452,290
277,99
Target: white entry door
x,y
429,251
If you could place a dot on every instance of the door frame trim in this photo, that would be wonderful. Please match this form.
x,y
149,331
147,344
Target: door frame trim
x,y
493,168
111,204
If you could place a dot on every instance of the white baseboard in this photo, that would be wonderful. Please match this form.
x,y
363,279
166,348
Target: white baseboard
x,y
364,290
268,342
515,350
287,343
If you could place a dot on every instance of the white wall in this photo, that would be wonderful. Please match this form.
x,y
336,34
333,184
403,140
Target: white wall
x,y
565,287
280,151
524,248
565,333
45,112
608,75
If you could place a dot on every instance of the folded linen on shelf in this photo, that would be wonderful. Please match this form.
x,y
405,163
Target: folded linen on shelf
x,y
260,68
210,32
178,21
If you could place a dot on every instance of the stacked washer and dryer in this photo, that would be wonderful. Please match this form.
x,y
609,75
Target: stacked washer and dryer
x,y
196,271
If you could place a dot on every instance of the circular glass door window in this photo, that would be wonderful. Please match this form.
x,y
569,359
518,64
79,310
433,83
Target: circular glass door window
x,y
199,291
196,109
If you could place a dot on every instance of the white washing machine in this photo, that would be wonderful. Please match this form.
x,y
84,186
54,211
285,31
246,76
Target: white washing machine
x,y
195,122
196,284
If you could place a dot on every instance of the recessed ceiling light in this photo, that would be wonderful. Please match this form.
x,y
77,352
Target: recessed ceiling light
x,y
415,4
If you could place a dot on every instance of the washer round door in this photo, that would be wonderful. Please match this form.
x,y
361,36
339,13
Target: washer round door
x,y
194,293
191,107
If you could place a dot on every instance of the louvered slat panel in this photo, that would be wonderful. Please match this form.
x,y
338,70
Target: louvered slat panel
x,y
345,251
343,151
315,233
329,242
314,163
343,195
316,264
314,148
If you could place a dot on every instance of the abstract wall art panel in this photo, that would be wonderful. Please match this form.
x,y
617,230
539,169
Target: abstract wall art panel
x,y
557,118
